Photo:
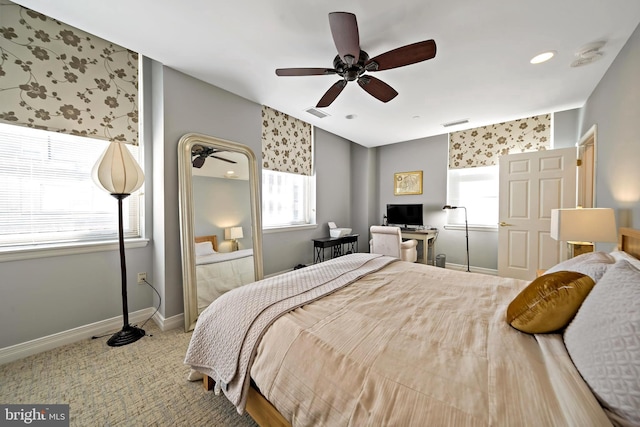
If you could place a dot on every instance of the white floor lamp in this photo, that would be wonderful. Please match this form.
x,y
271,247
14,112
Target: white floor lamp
x,y
117,172
466,227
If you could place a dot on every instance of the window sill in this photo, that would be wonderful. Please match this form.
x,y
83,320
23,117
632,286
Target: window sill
x,y
471,227
51,250
286,228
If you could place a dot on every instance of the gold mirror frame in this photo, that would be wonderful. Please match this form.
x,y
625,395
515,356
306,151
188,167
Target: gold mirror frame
x,y
187,236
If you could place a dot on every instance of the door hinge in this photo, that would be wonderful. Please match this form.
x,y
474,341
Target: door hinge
x,y
579,162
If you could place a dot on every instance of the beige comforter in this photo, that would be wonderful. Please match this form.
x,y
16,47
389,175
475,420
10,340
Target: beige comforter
x,y
227,333
415,345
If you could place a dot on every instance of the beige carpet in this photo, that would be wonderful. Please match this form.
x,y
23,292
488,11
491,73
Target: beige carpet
x,y
140,384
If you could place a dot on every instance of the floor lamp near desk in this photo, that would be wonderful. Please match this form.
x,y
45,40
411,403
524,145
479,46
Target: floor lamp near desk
x,y
466,227
117,172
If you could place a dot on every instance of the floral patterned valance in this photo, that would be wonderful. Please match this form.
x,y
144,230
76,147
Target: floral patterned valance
x,y
58,78
286,143
483,145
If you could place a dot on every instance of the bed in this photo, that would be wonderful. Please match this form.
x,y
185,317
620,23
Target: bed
x,y
369,340
219,272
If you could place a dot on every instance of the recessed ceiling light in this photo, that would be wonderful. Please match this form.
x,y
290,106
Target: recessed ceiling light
x,y
543,57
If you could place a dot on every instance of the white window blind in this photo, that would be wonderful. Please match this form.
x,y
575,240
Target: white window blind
x,y
286,199
47,195
476,189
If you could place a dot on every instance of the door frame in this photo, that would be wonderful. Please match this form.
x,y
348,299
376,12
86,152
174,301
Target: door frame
x,y
587,147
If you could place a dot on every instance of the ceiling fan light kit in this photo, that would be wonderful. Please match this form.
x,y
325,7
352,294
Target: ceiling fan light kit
x,y
352,63
199,154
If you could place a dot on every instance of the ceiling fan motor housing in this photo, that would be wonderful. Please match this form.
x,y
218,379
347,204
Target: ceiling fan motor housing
x,y
351,73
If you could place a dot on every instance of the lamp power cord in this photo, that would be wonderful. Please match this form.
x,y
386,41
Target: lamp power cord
x,y
145,322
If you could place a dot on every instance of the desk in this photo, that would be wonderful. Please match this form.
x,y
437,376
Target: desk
x,y
427,237
338,245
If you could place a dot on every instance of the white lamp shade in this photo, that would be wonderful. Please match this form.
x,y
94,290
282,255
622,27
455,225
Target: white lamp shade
x,y
233,233
584,225
117,171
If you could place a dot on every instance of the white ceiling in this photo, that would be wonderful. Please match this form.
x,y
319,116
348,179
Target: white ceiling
x,y
481,71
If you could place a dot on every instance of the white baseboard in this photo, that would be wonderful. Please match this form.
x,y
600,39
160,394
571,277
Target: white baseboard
x,y
172,322
473,269
18,351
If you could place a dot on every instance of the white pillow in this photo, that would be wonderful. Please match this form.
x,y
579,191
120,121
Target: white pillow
x,y
593,264
204,248
618,255
603,341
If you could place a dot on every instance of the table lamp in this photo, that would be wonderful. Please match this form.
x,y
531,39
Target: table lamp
x,y
233,233
581,227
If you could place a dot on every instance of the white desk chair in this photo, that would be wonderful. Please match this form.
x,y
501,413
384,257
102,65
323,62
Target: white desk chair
x,y
388,241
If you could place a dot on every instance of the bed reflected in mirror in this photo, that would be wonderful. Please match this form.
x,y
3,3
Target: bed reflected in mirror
x,y
219,218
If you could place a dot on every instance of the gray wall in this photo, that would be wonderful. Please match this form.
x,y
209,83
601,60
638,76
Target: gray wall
x,y
220,203
614,106
430,155
188,105
282,250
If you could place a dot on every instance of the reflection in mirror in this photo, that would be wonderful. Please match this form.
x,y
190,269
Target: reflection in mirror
x,y
221,232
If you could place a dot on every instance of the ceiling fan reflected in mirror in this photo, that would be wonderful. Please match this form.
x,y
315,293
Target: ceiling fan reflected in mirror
x,y
200,153
352,63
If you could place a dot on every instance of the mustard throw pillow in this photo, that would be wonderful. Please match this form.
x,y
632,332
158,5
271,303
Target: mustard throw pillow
x,y
549,302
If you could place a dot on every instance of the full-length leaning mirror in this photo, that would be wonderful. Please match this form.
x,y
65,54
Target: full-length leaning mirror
x,y
220,222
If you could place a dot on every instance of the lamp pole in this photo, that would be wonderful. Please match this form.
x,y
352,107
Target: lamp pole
x,y
466,228
128,333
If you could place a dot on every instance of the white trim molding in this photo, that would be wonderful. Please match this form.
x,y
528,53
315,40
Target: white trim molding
x,y
38,345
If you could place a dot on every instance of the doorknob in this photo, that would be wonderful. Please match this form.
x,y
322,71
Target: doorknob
x,y
504,224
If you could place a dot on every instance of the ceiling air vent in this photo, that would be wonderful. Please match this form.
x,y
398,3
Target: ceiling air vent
x,y
315,112
457,122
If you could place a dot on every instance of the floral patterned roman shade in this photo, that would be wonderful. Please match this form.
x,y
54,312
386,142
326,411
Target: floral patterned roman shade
x,y
58,78
286,143
483,145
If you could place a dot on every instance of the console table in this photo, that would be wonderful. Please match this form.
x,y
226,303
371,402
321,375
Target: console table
x,y
339,246
427,237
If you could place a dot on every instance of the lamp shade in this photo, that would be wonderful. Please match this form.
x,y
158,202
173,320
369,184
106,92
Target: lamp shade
x,y
117,171
233,233
584,225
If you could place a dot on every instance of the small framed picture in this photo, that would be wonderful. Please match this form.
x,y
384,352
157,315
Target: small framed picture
x,y
405,183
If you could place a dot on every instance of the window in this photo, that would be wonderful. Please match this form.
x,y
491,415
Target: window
x,y
477,190
287,199
47,195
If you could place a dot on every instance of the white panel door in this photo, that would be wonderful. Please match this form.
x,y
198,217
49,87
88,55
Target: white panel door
x,y
531,184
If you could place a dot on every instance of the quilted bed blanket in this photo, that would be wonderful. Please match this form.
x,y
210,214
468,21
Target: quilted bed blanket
x,y
227,333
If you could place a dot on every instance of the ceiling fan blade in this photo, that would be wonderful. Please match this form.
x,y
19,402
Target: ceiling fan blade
x,y
377,88
331,94
223,159
304,71
344,29
405,55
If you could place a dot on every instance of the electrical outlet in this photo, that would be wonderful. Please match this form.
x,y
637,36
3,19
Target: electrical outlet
x,y
141,278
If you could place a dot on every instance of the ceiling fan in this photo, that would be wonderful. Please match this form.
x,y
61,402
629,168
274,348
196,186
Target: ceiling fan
x,y
351,63
200,154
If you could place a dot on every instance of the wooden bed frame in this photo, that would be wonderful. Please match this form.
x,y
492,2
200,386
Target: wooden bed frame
x,y
266,415
212,239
